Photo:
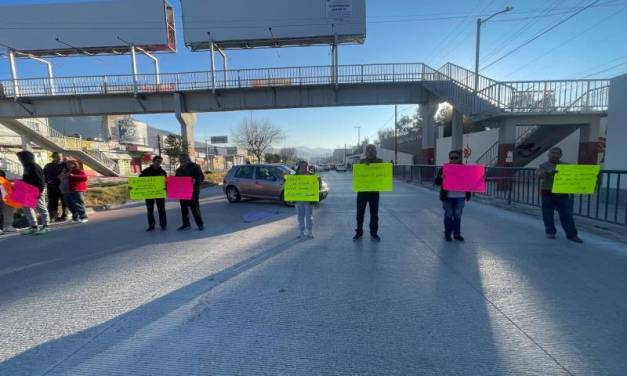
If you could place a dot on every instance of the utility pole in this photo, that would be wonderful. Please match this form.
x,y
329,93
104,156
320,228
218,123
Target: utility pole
x,y
159,144
358,136
395,134
478,47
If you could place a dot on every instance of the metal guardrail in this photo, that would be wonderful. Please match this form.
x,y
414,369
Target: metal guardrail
x,y
515,96
521,186
10,166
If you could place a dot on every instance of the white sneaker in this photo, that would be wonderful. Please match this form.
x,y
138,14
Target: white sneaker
x,y
83,220
1,232
310,235
10,229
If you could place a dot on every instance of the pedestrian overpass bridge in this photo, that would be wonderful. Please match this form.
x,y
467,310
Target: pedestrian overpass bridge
x,y
567,103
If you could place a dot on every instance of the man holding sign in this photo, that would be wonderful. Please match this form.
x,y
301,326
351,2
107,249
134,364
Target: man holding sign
x,y
552,201
365,198
155,169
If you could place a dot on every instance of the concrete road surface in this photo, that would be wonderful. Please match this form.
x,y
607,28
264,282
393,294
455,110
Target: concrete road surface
x,y
106,298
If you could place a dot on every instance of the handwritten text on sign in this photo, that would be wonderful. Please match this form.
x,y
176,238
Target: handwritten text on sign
x,y
146,188
375,177
464,178
24,194
180,187
301,188
576,179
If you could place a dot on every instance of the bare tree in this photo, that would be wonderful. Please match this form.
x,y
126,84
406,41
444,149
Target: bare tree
x,y
257,136
288,155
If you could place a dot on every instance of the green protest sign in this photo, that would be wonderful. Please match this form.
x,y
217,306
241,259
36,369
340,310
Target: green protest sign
x,y
146,188
374,177
301,188
576,179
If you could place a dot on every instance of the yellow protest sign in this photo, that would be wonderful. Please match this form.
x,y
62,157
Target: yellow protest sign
x,y
374,177
301,188
146,187
576,179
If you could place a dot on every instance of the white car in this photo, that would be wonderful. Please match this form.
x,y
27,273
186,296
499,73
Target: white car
x,y
340,168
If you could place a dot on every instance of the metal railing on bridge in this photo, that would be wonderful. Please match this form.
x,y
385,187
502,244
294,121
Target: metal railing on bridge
x,y
521,186
507,97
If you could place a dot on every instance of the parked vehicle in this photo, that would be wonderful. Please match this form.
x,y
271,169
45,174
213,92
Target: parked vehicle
x,y
340,168
263,181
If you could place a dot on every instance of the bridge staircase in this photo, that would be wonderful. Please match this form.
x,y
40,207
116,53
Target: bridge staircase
x,y
50,139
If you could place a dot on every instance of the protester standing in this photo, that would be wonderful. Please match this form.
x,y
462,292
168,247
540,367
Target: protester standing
x,y
453,202
34,175
551,202
304,210
73,184
52,171
155,169
368,198
191,169
6,211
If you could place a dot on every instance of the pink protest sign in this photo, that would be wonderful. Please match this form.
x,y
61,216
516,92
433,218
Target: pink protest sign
x,y
25,194
179,187
464,178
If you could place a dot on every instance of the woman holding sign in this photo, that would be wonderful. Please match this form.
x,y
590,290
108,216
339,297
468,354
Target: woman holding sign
x,y
155,169
34,176
453,202
304,210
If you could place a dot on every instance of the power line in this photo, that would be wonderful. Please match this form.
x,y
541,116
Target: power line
x,y
539,35
606,70
566,42
519,33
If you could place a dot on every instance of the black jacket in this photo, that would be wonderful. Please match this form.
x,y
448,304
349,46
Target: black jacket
x,y
151,171
192,170
439,181
34,175
52,172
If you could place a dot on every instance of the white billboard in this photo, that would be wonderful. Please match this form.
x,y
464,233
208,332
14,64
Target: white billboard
x,y
100,27
272,23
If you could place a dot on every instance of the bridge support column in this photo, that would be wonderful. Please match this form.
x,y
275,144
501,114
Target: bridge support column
x,y
26,143
616,130
507,144
457,139
588,141
427,114
187,120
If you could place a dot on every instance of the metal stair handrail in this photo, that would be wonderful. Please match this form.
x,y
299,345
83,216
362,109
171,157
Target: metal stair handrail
x,y
491,155
91,148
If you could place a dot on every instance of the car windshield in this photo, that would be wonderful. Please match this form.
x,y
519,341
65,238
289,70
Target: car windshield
x,y
286,170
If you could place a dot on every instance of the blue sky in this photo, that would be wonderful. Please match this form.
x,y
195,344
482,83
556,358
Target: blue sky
x,y
432,32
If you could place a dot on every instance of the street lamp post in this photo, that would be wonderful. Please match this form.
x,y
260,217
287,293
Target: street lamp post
x,y
479,23
358,136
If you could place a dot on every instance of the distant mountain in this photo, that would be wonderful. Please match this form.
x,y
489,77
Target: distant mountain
x,y
312,153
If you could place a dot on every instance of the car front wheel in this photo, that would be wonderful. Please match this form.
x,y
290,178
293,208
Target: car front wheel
x,y
232,194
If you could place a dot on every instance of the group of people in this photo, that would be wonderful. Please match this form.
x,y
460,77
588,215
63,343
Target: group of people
x,y
453,202
61,180
186,168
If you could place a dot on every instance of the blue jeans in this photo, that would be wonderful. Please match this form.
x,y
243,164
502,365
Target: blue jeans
x,y
564,206
453,209
305,216
76,203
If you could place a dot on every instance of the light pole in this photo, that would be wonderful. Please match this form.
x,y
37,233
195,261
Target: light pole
x,y
479,23
395,134
358,136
